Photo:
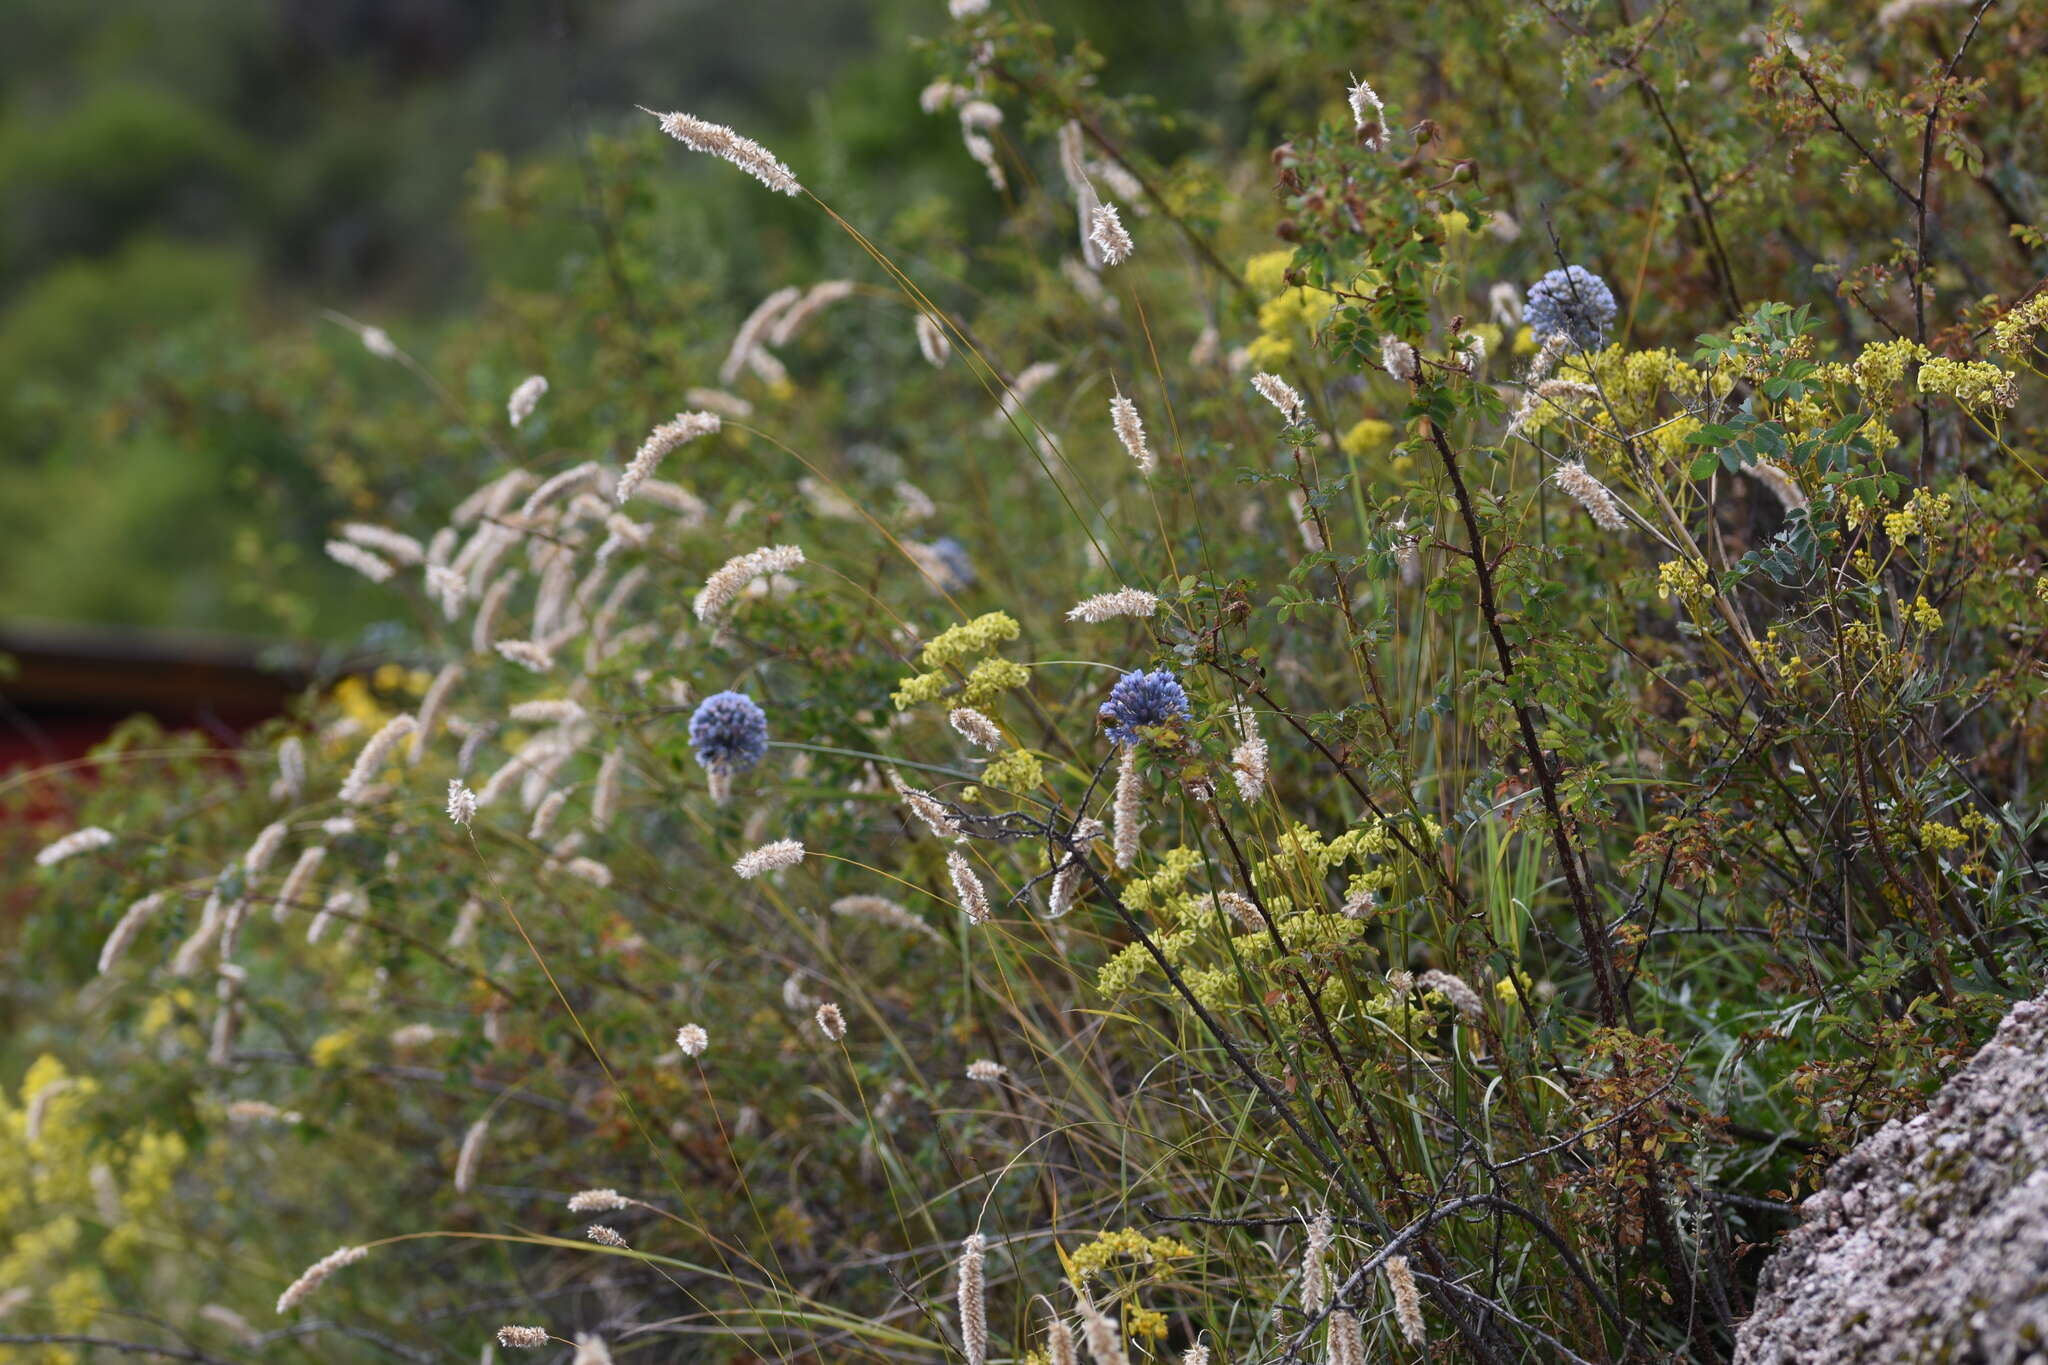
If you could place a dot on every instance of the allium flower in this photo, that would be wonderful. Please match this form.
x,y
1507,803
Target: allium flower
x,y
78,841
715,139
316,1273
1572,301
522,1338
1592,495
684,426
1122,602
692,1039
1130,430
973,1310
986,1072
1399,358
724,587
1108,233
604,1236
931,340
461,803
597,1201
1141,700
526,398
831,1022
729,733
973,896
373,567
1368,114
1280,394
770,857
374,756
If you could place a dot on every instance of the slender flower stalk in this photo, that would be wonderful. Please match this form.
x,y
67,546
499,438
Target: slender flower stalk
x,y
967,887
125,930
1591,494
931,340
471,1153
370,762
1315,1264
1407,1302
769,858
316,1273
1107,231
724,587
431,706
1129,809
1280,394
715,139
525,398
1109,605
684,426
1130,430
295,881
371,566
973,1310
1368,115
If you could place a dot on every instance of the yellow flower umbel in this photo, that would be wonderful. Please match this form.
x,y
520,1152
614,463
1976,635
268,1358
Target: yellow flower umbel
x,y
1685,579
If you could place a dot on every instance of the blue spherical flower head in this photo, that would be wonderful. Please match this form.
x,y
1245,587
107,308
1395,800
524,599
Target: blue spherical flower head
x,y
1141,699
729,733
1573,301
953,555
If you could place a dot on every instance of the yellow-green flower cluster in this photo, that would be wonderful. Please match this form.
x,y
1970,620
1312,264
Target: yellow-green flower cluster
x,y
1685,579
1923,515
1096,1256
2013,334
1288,314
1017,771
953,648
1969,382
1144,895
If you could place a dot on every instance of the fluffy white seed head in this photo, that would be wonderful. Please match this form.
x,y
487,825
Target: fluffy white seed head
x,y
684,426
371,566
604,1236
1280,394
461,803
715,139
769,857
1368,115
1129,807
520,1338
375,755
316,1273
1107,231
1399,358
1130,431
1589,493
724,587
973,1309
597,1201
471,1153
976,728
525,398
77,842
1407,1302
967,887
1108,605
986,1072
692,1039
831,1022
931,340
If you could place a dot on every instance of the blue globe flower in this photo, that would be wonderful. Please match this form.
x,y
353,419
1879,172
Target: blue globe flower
x,y
1573,301
729,732
1141,699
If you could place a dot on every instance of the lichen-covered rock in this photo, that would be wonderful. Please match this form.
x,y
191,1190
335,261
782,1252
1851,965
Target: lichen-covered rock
x,y
1929,1242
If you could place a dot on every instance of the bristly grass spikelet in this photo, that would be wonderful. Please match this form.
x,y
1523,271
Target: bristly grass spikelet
x,y
769,857
973,1309
1107,231
715,139
1130,432
684,426
1108,605
315,1274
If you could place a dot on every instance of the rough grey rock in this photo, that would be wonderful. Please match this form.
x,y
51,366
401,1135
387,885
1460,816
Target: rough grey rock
x,y
1929,1242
